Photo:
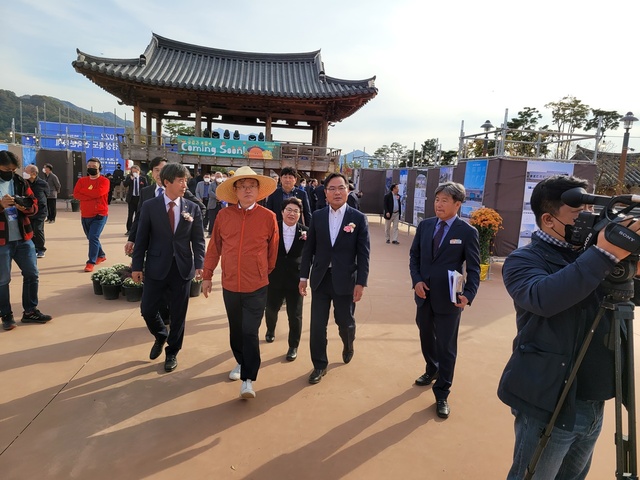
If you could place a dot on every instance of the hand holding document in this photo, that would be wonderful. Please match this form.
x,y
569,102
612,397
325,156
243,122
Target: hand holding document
x,y
456,285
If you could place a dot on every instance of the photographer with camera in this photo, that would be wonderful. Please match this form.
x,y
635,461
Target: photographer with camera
x,y
555,289
17,204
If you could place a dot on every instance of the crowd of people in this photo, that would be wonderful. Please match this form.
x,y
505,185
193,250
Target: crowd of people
x,y
277,238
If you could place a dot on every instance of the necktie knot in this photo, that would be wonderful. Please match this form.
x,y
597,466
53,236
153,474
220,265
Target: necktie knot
x,y
160,192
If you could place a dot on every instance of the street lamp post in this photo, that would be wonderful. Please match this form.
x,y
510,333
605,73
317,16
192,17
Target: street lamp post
x,y
627,120
485,147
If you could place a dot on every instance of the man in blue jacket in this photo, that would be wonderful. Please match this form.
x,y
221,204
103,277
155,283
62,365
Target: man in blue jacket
x,y
555,291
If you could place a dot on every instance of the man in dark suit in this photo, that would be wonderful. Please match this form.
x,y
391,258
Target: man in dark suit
x,y
170,244
287,189
321,197
338,249
392,211
441,244
284,279
311,193
134,183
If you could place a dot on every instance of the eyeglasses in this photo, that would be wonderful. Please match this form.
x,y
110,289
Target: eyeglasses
x,y
245,187
292,210
340,189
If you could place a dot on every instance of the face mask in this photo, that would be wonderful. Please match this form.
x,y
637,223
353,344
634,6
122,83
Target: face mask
x,y
568,231
6,176
26,176
218,180
136,174
92,171
207,179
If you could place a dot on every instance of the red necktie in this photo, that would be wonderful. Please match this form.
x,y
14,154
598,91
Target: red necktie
x,y
437,239
172,218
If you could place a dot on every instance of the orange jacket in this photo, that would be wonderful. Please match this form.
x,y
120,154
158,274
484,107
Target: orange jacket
x,y
93,194
247,240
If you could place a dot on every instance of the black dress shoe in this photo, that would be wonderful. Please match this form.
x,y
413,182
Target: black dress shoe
x,y
270,337
156,350
292,354
442,407
426,379
317,375
170,363
347,355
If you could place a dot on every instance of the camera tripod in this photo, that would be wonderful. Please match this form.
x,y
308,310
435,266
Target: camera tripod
x,y
621,322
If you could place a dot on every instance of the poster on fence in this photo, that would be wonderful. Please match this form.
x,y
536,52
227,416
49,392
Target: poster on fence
x,y
402,191
537,171
475,176
420,197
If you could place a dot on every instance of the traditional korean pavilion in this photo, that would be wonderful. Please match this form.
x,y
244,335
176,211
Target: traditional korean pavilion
x,y
176,81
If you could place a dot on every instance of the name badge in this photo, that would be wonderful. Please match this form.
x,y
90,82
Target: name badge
x,y
455,241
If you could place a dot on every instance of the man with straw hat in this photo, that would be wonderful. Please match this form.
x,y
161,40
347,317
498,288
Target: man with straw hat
x,y
246,236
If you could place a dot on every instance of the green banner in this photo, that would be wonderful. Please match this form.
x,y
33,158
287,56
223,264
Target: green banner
x,y
216,147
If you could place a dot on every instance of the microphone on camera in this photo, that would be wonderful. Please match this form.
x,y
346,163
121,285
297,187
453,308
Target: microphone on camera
x,y
578,196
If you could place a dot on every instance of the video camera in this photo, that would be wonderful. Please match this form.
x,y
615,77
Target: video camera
x,y
589,224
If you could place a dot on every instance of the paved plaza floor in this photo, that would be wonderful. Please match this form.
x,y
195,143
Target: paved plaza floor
x,y
80,398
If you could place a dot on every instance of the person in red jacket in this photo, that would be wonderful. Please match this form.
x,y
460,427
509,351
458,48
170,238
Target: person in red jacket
x,y
17,204
93,193
246,236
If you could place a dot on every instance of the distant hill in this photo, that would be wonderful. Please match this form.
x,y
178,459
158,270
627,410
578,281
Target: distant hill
x,y
33,109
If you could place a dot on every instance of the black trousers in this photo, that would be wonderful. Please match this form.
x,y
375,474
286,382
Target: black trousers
x,y
343,310
275,297
244,312
38,233
212,214
439,343
154,294
131,211
51,208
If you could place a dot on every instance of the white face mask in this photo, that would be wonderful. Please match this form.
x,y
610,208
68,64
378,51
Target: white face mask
x,y
26,176
136,174
207,179
219,180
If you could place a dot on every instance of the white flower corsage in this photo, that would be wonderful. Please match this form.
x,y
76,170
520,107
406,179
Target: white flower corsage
x,y
350,228
303,235
187,216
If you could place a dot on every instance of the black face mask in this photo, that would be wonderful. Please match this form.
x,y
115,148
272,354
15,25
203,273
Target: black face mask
x,y
6,176
92,171
568,230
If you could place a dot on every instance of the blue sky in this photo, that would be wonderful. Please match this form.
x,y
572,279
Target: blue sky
x,y
436,65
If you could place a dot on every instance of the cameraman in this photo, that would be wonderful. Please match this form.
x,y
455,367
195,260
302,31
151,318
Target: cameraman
x,y
15,243
555,291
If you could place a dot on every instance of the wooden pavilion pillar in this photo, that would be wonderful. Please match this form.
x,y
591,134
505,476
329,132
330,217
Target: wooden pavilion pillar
x,y
198,121
159,129
267,130
148,140
136,124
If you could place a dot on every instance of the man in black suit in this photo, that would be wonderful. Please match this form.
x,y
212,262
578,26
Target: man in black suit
x,y
392,211
134,183
311,193
442,243
321,197
284,279
288,189
170,244
338,249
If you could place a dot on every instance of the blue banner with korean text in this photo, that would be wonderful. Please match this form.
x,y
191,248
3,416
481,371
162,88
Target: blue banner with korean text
x,y
96,141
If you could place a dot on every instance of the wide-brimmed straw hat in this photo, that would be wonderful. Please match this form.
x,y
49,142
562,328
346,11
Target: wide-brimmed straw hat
x,y
227,193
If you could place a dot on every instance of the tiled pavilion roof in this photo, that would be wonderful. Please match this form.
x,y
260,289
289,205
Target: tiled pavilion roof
x,y
608,165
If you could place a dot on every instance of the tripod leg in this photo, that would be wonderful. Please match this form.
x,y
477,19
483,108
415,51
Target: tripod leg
x,y
626,449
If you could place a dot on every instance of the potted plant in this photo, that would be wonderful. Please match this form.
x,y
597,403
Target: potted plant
x,y
111,285
196,287
487,221
75,204
132,289
96,278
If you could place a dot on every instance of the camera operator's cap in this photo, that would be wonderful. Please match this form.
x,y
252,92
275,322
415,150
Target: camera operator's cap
x,y
227,193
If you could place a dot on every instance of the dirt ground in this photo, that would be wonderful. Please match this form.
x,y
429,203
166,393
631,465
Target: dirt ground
x,y
80,398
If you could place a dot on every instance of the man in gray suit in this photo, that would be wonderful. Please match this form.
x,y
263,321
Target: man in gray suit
x,y
170,237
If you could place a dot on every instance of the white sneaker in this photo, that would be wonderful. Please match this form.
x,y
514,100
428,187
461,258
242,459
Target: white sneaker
x,y
246,390
235,373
